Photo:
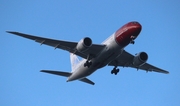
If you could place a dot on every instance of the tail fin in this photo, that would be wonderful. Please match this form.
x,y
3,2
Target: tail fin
x,y
74,61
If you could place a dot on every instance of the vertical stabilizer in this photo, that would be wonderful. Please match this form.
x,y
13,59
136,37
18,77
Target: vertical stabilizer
x,y
74,61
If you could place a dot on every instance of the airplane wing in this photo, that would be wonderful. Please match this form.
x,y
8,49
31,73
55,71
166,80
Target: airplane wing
x,y
126,60
65,45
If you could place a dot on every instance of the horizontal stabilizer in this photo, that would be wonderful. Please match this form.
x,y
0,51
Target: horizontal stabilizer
x,y
65,74
87,81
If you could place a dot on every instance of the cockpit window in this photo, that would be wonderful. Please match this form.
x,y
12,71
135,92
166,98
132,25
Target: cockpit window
x,y
135,22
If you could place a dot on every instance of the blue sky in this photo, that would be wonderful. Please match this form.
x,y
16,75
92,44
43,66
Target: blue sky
x,y
22,59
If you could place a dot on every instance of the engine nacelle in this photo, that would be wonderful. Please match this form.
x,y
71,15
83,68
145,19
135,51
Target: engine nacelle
x,y
140,59
84,44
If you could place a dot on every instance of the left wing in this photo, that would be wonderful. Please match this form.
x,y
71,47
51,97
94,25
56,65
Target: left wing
x,y
126,60
65,45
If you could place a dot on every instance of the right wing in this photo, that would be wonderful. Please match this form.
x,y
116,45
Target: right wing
x,y
126,60
65,45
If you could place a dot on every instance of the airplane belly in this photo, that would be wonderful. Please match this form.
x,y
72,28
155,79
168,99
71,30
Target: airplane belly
x,y
108,54
111,52
103,61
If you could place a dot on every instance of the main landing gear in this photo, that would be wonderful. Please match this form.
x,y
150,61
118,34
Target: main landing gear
x,y
115,71
87,64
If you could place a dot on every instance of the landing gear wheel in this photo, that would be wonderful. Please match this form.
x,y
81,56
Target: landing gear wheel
x,y
132,39
88,64
115,71
132,42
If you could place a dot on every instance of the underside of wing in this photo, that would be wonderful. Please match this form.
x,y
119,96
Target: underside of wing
x,y
127,60
149,67
65,45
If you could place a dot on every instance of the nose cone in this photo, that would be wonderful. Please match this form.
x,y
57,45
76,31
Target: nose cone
x,y
136,25
135,28
127,33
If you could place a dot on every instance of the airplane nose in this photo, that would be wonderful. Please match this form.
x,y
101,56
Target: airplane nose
x,y
137,28
137,25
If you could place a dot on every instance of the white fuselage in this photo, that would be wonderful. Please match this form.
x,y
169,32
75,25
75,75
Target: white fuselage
x,y
111,51
114,47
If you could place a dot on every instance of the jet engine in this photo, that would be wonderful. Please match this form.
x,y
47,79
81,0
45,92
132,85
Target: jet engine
x,y
140,59
84,44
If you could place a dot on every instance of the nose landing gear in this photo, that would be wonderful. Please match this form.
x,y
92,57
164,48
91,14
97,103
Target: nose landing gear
x,y
132,42
88,62
132,39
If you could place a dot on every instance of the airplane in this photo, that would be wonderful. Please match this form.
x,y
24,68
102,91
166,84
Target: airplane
x,y
95,56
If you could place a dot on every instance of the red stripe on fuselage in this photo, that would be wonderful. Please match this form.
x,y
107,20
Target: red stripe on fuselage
x,y
124,34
